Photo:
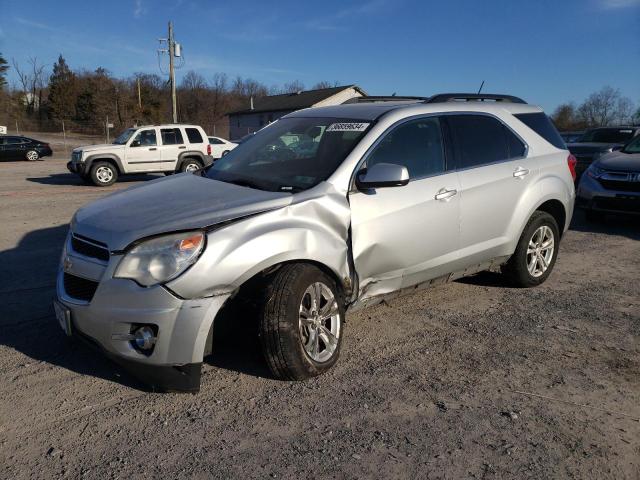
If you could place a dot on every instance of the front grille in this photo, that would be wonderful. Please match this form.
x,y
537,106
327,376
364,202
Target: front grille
x,y
631,205
79,288
620,186
90,248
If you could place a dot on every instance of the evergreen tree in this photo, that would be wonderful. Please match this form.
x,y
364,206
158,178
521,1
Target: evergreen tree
x,y
62,90
4,66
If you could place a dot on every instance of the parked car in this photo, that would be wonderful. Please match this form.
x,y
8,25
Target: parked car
x,y
612,183
599,141
571,137
396,196
220,147
15,147
160,148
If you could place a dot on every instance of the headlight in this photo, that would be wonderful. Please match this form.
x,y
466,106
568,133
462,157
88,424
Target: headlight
x,y
161,259
594,171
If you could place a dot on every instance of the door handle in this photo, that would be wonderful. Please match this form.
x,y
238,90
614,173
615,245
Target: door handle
x,y
182,147
444,194
153,148
520,172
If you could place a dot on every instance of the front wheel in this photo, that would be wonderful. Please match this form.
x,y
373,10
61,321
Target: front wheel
x,y
103,174
32,155
536,253
302,322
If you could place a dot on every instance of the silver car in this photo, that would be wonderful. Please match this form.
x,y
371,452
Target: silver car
x,y
386,196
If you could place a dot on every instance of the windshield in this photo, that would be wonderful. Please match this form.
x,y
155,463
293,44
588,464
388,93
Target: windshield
x,y
633,146
607,135
291,155
124,136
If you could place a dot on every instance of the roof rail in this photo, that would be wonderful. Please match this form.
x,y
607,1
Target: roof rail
x,y
473,97
391,98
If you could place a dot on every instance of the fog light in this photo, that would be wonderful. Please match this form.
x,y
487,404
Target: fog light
x,y
144,338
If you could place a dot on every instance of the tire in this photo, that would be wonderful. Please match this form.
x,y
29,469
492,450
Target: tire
x,y
32,156
190,165
593,216
287,334
103,174
532,262
224,153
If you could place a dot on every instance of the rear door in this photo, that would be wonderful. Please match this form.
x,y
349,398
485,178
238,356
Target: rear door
x,y
15,148
142,153
172,145
402,236
494,174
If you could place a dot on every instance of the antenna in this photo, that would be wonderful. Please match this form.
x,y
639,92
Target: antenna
x,y
481,85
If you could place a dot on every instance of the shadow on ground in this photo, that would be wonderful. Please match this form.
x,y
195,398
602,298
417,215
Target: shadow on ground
x,y
621,225
72,179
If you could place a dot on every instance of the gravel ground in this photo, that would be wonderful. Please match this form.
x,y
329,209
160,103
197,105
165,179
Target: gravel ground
x,y
427,385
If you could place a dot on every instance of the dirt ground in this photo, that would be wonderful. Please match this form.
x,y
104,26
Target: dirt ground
x,y
427,386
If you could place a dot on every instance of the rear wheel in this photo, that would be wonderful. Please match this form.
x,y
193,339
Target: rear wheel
x,y
103,174
301,324
32,155
536,253
190,165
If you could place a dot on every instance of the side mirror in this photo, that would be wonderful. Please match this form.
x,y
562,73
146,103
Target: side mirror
x,y
135,143
382,175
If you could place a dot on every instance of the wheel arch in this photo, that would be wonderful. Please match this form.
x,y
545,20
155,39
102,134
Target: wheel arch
x,y
193,154
109,157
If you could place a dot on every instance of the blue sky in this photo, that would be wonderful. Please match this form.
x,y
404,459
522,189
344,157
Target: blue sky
x,y
545,51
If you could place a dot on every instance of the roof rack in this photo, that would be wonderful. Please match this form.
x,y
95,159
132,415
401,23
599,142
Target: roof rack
x,y
390,98
473,97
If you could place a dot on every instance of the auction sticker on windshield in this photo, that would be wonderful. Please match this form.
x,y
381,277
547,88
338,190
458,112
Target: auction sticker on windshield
x,y
347,127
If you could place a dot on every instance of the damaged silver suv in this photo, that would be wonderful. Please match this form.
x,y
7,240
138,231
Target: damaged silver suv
x,y
323,211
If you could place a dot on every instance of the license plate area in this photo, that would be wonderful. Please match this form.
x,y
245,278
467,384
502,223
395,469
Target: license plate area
x,y
63,315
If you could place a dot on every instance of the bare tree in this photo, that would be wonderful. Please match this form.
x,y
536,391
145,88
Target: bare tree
x,y
33,81
293,87
605,107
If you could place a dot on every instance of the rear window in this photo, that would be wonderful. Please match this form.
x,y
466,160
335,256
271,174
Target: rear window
x,y
194,135
608,135
543,126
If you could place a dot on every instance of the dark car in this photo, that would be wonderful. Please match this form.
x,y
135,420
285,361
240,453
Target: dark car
x,y
23,148
611,184
599,141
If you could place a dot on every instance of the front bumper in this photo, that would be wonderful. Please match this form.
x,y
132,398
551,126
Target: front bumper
x,y
77,168
592,195
119,306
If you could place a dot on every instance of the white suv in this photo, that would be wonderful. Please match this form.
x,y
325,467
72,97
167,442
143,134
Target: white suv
x,y
161,148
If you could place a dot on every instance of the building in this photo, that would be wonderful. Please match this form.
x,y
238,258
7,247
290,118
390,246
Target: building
x,y
265,110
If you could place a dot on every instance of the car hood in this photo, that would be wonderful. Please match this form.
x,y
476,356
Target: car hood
x,y
622,162
180,202
592,147
104,146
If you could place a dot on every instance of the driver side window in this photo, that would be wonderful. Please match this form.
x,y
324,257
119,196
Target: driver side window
x,y
416,144
145,138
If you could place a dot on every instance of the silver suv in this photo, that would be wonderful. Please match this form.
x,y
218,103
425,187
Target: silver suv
x,y
326,210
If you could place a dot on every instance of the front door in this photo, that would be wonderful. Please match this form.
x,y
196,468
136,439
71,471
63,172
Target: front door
x,y
142,153
402,236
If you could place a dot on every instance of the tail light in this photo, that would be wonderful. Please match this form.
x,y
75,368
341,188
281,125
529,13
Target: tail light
x,y
208,149
571,161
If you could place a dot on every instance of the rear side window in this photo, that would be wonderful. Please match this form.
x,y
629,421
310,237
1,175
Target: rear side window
x,y
193,134
416,144
480,140
215,141
15,140
542,125
171,136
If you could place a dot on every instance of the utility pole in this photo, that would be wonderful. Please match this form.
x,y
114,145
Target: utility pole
x,y
172,73
139,95
174,50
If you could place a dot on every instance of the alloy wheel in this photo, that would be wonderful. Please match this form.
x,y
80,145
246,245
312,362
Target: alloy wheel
x,y
32,155
540,251
104,174
319,322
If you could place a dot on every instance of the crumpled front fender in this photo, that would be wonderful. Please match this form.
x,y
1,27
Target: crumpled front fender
x,y
315,227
